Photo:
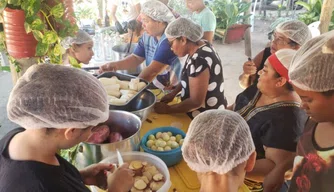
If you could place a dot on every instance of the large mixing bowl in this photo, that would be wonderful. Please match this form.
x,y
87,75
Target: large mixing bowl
x,y
142,105
127,124
121,51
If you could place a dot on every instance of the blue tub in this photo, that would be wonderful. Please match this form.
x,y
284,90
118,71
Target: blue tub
x,y
171,157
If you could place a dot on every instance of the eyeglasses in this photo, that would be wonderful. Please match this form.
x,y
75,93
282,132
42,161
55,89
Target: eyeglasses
x,y
279,40
171,42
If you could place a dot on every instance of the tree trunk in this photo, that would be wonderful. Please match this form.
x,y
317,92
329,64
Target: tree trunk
x,y
325,16
24,64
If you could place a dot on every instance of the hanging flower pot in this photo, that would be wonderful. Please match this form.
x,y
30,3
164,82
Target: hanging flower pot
x,y
19,43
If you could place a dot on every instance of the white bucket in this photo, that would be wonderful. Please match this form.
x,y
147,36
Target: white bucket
x,y
151,159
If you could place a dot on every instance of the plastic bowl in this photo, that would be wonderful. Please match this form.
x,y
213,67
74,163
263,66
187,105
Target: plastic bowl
x,y
171,157
141,156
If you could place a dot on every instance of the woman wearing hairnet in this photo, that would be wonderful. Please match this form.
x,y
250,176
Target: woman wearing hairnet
x,y
219,147
311,73
57,107
202,82
163,66
287,35
272,110
79,47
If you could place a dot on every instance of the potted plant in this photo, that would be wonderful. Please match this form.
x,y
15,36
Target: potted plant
x,y
230,15
313,12
33,30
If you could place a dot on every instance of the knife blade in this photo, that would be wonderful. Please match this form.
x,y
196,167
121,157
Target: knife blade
x,y
119,157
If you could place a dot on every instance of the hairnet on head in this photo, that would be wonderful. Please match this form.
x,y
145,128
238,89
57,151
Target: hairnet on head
x,y
55,96
295,30
217,141
281,60
312,68
186,28
80,38
157,11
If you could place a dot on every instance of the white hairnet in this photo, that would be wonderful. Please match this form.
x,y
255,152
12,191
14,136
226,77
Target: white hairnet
x,y
312,68
295,30
80,38
157,11
186,28
217,141
281,60
55,96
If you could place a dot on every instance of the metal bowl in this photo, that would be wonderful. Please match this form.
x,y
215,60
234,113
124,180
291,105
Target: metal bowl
x,y
141,106
121,51
127,124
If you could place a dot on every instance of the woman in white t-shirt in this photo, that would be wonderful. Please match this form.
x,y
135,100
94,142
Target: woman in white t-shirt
x,y
129,10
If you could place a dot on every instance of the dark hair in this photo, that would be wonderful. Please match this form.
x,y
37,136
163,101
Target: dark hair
x,y
293,43
328,93
287,85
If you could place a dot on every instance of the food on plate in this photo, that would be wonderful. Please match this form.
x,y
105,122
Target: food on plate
x,y
147,177
99,135
164,141
121,91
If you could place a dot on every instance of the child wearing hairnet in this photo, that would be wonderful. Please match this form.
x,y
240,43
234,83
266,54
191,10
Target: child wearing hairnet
x,y
78,48
219,147
57,107
312,75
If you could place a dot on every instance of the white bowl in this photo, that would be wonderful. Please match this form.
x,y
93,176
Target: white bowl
x,y
142,156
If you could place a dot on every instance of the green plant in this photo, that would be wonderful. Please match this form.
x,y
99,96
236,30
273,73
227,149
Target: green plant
x,y
313,12
229,12
85,12
44,18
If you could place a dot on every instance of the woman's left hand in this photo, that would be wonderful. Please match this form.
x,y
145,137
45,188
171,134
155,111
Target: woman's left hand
x,y
161,108
96,174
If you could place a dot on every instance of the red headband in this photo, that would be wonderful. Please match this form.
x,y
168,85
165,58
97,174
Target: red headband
x,y
278,66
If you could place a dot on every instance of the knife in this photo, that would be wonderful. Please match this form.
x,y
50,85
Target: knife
x,y
119,157
248,49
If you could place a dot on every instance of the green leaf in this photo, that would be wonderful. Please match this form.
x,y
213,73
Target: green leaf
x,y
37,24
307,6
229,9
27,27
58,50
14,2
74,62
38,35
50,37
57,11
3,4
41,49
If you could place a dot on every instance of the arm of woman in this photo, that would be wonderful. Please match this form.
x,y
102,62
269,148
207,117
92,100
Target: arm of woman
x,y
249,71
113,12
153,70
138,8
283,162
131,61
197,95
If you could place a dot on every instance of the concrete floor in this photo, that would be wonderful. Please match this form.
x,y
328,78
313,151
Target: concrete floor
x,y
232,56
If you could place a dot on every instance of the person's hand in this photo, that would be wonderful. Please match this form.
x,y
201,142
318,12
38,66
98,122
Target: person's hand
x,y
96,174
121,180
161,108
107,67
167,98
249,68
273,181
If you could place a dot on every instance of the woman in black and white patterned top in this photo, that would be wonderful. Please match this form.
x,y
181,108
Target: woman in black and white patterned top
x,y
202,82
